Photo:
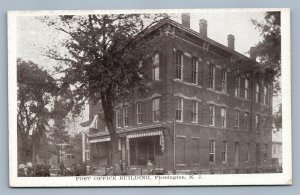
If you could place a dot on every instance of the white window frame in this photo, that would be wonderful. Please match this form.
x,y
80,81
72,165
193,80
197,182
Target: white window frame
x,y
212,115
212,150
179,109
224,81
265,96
223,117
155,67
237,86
125,116
257,122
195,72
156,109
194,111
257,89
236,119
139,113
179,65
224,152
212,76
246,88
119,117
246,121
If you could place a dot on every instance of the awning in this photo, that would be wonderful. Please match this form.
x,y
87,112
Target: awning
x,y
146,134
104,139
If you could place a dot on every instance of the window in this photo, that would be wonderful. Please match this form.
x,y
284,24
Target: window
x,y
246,121
237,86
195,112
125,116
155,67
212,72
265,97
179,65
248,152
224,152
139,113
224,81
257,122
247,89
155,108
211,115
180,150
236,119
194,71
179,106
223,117
257,93
119,117
212,144
266,152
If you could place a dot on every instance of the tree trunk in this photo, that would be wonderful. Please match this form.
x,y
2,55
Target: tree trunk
x,y
108,109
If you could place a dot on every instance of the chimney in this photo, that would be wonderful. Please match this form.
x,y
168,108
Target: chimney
x,y
203,27
252,53
230,40
185,20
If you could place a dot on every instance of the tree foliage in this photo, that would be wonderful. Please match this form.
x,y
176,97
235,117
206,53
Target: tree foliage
x,y
35,89
105,57
268,50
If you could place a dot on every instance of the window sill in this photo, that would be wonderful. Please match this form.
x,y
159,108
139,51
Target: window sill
x,y
181,165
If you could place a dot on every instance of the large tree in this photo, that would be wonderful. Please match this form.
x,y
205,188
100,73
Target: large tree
x,y
35,89
104,59
268,52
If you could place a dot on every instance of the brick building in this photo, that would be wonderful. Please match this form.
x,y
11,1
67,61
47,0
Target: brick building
x,y
210,108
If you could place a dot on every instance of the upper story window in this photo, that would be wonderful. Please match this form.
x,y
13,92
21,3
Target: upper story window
x,y
155,67
212,151
155,109
211,115
246,121
257,93
237,86
223,117
265,97
257,122
236,119
179,108
194,111
119,117
224,81
179,65
125,116
212,74
139,113
246,88
194,71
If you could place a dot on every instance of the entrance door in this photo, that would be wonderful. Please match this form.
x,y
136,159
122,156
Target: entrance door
x,y
237,154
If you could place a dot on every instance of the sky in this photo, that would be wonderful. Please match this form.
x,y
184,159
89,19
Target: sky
x,y
33,36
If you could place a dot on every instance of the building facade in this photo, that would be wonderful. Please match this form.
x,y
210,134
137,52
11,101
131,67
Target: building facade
x,y
210,109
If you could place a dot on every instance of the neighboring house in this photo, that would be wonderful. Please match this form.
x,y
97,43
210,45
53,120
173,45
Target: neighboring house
x,y
277,147
210,108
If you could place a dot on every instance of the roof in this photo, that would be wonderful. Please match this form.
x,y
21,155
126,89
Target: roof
x,y
204,38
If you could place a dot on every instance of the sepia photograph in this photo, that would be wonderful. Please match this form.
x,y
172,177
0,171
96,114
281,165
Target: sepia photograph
x,y
149,97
